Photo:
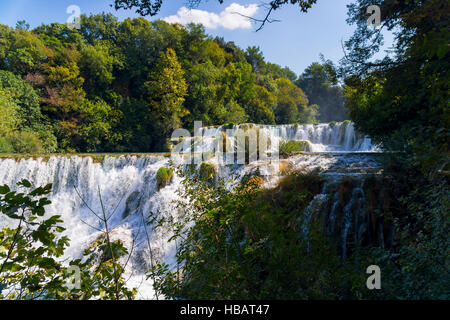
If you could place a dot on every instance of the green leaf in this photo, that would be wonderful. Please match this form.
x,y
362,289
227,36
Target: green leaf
x,y
47,263
4,189
24,183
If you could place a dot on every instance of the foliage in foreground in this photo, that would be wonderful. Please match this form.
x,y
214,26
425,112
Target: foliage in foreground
x,y
402,103
163,176
250,243
31,247
418,267
245,243
253,243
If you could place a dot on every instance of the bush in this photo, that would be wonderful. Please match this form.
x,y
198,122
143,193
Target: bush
x,y
251,242
25,142
207,172
31,251
163,176
291,146
48,139
5,146
252,182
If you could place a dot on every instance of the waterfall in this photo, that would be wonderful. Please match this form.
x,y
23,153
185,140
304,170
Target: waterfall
x,y
130,178
128,184
339,136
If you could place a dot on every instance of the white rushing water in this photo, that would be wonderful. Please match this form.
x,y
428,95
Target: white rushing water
x,y
339,136
130,178
128,183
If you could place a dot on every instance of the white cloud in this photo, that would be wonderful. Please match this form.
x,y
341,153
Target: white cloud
x,y
235,16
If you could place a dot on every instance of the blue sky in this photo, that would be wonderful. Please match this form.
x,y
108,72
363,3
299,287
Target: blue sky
x,y
295,41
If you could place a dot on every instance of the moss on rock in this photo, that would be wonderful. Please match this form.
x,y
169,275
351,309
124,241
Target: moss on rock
x,y
163,176
289,147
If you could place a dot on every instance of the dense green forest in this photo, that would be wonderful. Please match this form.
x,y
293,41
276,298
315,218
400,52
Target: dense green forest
x,y
124,86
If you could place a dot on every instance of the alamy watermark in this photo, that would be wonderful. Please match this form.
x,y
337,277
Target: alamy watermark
x,y
374,19
374,280
74,20
235,145
74,280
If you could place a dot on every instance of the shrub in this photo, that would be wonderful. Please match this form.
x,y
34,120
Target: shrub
x,y
251,242
5,146
252,182
163,176
225,143
291,146
45,132
25,142
207,172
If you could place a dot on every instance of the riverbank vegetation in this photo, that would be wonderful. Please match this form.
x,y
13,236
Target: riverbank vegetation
x,y
116,86
253,243
402,102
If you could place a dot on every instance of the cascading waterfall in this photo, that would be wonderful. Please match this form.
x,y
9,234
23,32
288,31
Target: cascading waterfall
x,y
130,178
339,136
127,183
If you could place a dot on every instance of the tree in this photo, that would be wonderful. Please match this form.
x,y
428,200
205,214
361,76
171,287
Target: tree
x,y
22,25
21,52
260,108
278,72
89,85
204,100
166,89
135,127
95,28
255,58
96,64
318,87
95,128
292,104
401,101
24,97
9,118
21,109
207,75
